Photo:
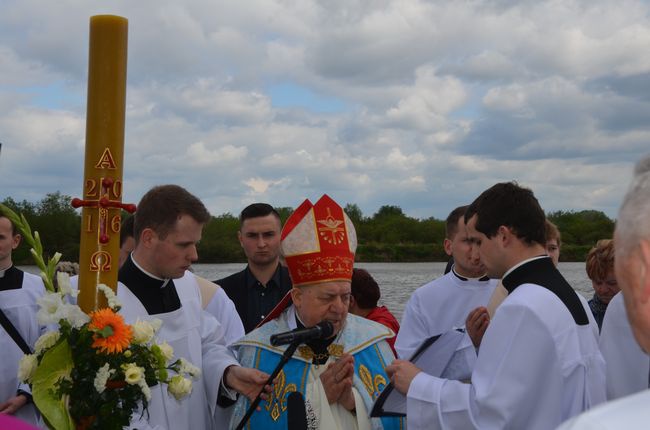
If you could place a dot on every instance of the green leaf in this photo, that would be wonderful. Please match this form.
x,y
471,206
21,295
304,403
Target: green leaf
x,y
56,364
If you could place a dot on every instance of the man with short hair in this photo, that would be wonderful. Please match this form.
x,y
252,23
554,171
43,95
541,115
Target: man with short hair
x,y
339,376
18,293
213,298
444,303
154,283
264,282
127,241
539,362
632,266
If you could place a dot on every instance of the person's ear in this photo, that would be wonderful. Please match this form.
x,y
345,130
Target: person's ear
x,y
447,246
148,237
296,296
16,241
239,236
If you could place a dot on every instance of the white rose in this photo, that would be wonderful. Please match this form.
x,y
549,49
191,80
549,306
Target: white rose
x,y
133,374
27,366
166,350
142,332
179,387
156,323
46,341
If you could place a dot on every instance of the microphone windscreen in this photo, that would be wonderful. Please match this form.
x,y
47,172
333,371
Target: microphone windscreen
x,y
327,329
296,413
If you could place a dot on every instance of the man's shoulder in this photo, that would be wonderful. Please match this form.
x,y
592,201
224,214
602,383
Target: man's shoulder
x,y
436,285
627,412
232,281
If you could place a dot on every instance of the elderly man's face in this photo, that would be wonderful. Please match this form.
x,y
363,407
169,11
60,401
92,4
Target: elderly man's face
x,y
632,272
327,301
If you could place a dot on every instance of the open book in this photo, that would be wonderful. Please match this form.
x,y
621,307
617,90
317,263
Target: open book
x,y
450,355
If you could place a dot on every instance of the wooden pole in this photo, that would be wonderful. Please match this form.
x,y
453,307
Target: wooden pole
x,y
102,189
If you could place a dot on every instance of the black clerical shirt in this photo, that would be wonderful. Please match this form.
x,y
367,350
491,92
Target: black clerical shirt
x,y
157,296
12,279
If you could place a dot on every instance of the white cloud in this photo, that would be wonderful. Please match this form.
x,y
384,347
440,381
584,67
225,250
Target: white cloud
x,y
440,99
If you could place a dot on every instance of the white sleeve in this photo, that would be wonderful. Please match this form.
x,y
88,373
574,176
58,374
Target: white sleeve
x,y
628,367
413,329
506,388
223,309
216,357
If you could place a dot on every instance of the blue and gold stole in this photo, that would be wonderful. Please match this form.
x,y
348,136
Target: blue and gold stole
x,y
362,338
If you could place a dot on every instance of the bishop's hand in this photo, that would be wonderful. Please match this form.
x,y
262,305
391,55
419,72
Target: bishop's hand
x,y
337,381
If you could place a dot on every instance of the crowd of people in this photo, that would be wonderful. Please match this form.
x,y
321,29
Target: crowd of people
x,y
533,353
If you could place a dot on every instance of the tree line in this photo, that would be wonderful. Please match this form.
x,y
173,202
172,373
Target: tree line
x,y
389,235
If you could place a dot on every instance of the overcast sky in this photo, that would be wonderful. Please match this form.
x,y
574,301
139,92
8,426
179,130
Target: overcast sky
x,y
419,104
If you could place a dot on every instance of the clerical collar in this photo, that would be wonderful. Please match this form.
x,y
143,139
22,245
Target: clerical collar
x,y
521,263
2,271
462,278
11,279
542,272
148,289
164,281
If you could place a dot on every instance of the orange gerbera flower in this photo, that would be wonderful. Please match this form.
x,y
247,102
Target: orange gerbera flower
x,y
112,334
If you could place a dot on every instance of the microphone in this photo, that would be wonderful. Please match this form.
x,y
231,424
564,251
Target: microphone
x,y
322,330
296,413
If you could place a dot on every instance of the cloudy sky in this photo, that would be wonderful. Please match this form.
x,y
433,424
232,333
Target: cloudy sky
x,y
419,104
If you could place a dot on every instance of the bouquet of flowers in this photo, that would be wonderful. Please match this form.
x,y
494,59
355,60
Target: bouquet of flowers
x,y
93,371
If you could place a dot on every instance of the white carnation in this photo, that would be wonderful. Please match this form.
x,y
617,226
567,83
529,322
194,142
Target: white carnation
x,y
179,387
187,367
27,366
166,350
156,323
103,373
46,341
143,332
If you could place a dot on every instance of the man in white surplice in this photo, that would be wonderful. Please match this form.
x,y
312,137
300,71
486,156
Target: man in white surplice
x,y
18,294
444,303
539,362
154,283
632,266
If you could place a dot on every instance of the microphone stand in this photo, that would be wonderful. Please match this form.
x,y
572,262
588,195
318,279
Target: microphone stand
x,y
288,353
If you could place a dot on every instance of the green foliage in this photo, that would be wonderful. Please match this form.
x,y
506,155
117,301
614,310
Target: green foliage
x,y
388,235
53,217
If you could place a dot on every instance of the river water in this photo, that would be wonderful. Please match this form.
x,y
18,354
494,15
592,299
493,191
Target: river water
x,y
398,280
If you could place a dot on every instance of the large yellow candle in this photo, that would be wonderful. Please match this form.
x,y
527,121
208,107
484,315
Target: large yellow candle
x,y
102,190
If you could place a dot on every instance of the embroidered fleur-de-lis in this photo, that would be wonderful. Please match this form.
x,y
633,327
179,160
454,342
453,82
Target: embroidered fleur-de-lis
x,y
277,403
331,230
373,385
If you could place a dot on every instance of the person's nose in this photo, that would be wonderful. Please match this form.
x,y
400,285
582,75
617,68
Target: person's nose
x,y
193,254
261,242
